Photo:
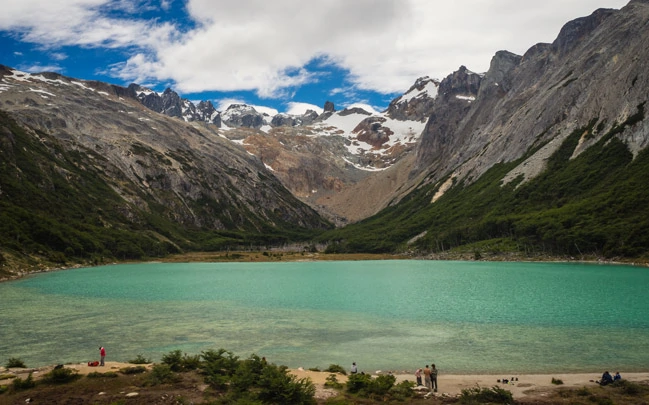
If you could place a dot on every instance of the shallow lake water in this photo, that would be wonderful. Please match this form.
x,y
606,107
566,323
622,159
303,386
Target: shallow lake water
x,y
466,317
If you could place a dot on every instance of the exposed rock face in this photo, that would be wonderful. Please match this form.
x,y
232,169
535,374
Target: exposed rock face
x,y
242,115
371,131
195,176
595,71
329,107
456,93
287,120
354,110
417,103
171,104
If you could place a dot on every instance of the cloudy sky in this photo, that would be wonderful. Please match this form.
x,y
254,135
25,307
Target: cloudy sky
x,y
285,54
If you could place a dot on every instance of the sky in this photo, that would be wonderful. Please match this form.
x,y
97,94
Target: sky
x,y
286,55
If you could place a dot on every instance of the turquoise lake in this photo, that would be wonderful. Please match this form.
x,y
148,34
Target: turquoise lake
x,y
467,317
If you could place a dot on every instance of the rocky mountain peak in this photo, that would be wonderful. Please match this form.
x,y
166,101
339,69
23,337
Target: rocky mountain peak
x,y
329,107
574,31
416,103
291,120
462,82
242,115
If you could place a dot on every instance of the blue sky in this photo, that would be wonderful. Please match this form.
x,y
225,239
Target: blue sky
x,y
288,55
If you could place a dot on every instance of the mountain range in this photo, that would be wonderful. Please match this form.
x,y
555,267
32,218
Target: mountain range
x,y
544,152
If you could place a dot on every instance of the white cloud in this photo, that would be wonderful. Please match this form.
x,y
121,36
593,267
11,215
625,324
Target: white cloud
x,y
295,108
224,103
40,68
265,110
265,45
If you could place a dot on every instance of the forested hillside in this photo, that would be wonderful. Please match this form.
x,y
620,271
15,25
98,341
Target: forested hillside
x,y
56,205
596,204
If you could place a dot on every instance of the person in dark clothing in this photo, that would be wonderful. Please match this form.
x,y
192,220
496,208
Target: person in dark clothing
x,y
606,378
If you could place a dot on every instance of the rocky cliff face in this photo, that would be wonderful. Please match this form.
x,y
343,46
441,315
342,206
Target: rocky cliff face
x,y
198,179
593,75
171,104
416,103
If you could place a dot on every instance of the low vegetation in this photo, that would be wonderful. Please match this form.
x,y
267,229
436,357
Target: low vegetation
x,y
229,379
14,362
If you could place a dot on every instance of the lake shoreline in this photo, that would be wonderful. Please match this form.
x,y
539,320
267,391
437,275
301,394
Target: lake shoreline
x,y
292,256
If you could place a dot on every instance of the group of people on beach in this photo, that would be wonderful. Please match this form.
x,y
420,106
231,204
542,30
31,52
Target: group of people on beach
x,y
430,377
607,378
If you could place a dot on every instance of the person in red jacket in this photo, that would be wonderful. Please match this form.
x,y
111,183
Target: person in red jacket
x,y
102,353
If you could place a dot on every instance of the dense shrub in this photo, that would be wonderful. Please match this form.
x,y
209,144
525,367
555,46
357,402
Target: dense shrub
x,y
278,386
493,395
160,374
335,368
247,373
178,361
332,382
97,374
139,359
19,384
132,370
15,363
61,375
253,380
630,388
218,366
557,381
402,390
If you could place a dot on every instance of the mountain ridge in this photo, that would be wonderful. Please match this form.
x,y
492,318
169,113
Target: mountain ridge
x,y
507,155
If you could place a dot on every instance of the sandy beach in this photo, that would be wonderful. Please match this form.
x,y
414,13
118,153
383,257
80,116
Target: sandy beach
x,y
528,385
524,386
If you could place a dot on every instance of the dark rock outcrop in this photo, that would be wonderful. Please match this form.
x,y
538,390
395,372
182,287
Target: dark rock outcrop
x,y
242,115
416,104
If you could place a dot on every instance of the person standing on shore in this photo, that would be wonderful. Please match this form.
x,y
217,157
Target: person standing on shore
x,y
418,376
102,353
427,377
433,377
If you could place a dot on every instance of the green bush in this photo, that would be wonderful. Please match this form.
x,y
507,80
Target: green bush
x,y
61,376
132,370
247,374
278,386
402,390
335,368
160,374
332,382
97,374
357,383
19,384
15,363
630,388
139,359
493,395
178,361
556,381
382,384
365,386
218,367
